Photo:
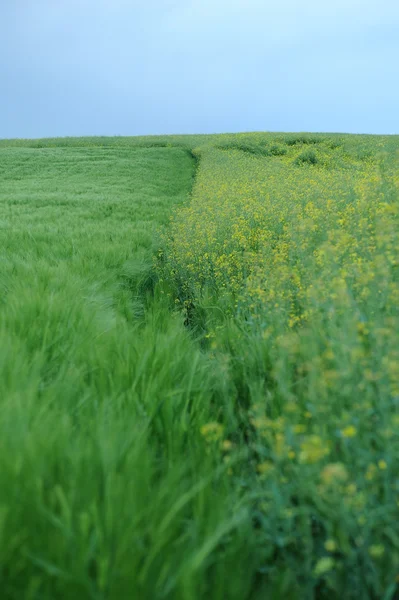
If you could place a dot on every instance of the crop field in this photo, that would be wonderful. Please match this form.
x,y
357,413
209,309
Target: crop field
x,y
199,367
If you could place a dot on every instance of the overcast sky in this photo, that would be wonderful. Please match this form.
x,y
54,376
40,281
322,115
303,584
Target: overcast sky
x,y
133,67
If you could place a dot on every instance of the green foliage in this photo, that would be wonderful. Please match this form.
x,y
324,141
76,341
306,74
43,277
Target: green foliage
x,y
307,157
278,150
207,407
295,274
303,139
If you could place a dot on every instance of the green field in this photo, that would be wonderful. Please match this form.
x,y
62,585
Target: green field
x,y
199,367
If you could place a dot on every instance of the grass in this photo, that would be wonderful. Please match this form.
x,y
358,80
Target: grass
x,y
199,377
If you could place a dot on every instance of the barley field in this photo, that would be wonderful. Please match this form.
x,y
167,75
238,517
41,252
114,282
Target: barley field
x,y
199,367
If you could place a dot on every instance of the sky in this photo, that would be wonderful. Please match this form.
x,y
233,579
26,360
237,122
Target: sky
x,y
143,67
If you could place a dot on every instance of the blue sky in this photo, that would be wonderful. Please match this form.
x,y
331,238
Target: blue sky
x,y
134,67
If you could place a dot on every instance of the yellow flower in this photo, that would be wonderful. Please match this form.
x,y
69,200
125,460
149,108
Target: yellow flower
x,y
371,471
299,428
376,550
291,407
280,448
261,423
324,565
349,432
382,465
265,468
313,449
351,489
227,445
362,328
330,545
212,432
334,473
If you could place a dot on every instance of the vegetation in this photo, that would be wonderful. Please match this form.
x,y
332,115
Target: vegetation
x,y
199,378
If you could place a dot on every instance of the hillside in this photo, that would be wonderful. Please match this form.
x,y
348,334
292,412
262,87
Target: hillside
x,y
199,367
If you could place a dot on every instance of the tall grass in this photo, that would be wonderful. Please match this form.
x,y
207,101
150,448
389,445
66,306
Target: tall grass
x,y
105,489
212,415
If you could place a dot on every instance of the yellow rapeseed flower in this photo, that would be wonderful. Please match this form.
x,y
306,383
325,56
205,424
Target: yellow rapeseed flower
x,y
299,428
371,472
313,449
227,445
323,566
376,550
265,468
334,473
212,432
330,545
349,432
